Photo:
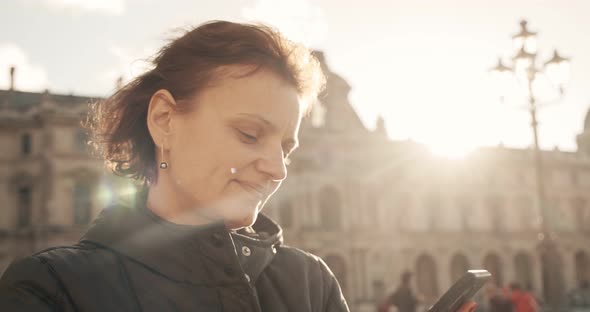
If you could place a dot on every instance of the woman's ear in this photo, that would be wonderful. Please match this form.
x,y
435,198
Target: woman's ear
x,y
159,116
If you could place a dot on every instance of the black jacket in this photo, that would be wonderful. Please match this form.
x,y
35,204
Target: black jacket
x,y
132,260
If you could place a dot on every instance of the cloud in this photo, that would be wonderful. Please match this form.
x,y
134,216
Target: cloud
x,y
113,7
130,64
299,20
27,76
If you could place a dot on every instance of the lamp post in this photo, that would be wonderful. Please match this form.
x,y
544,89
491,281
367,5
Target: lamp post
x,y
524,68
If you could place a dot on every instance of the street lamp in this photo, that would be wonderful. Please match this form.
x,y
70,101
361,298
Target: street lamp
x,y
524,68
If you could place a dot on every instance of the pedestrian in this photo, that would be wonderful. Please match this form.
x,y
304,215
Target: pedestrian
x,y
522,300
498,299
578,299
403,298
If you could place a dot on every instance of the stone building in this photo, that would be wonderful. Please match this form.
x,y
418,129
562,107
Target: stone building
x,y
369,206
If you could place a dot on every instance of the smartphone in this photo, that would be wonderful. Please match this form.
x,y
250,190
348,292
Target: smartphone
x,y
461,291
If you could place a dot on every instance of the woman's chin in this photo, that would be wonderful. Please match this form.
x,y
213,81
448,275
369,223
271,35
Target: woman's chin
x,y
238,223
241,211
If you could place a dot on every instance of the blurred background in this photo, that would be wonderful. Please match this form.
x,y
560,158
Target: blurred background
x,y
453,134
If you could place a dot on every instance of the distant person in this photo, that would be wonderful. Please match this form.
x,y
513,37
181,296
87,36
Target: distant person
x,y
403,298
579,298
522,300
498,300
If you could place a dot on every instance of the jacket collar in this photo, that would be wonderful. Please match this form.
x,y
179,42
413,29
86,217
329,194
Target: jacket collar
x,y
207,254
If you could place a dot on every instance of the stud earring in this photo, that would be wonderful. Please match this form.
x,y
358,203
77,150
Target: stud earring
x,y
163,164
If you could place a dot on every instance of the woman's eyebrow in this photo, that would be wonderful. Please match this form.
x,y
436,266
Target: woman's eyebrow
x,y
266,122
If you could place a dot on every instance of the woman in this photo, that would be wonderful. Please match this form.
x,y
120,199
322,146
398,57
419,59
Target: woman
x,y
208,132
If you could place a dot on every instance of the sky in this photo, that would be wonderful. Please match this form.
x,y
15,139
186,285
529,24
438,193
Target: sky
x,y
420,64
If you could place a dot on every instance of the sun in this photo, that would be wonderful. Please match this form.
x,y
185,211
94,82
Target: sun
x,y
450,149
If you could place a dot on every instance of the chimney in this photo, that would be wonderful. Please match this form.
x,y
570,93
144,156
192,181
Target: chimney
x,y
12,69
119,83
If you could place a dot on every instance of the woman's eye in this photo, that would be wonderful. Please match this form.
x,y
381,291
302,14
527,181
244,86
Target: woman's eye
x,y
248,137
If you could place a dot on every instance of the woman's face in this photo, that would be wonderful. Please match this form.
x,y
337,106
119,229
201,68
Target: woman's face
x,y
227,155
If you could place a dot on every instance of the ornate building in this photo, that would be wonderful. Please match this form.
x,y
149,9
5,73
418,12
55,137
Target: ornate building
x,y
369,206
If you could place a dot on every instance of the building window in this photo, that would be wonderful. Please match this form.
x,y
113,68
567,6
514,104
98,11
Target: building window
x,y
579,212
25,144
400,216
459,265
433,207
526,214
372,197
338,266
465,207
493,264
81,140
286,214
574,178
25,206
523,267
330,210
82,200
582,266
495,207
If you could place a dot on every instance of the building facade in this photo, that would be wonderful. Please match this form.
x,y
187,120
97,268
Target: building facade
x,y
370,207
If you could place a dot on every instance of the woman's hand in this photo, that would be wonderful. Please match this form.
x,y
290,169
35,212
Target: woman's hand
x,y
468,306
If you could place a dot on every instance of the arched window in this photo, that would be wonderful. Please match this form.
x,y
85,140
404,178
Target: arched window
x,y
493,264
371,209
338,266
433,204
582,266
580,214
465,208
523,268
459,265
400,215
286,213
495,206
426,277
552,275
574,177
26,144
25,206
526,215
330,210
82,203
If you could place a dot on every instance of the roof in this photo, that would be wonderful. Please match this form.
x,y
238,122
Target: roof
x,y
23,101
587,121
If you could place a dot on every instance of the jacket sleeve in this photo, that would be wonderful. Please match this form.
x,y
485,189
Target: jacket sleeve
x,y
29,285
335,301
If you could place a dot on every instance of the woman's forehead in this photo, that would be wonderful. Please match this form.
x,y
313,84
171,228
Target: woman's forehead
x,y
263,94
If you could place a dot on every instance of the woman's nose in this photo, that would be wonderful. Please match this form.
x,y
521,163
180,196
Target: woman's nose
x,y
273,164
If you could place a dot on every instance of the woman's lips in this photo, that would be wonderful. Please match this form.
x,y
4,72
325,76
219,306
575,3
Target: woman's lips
x,y
251,189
